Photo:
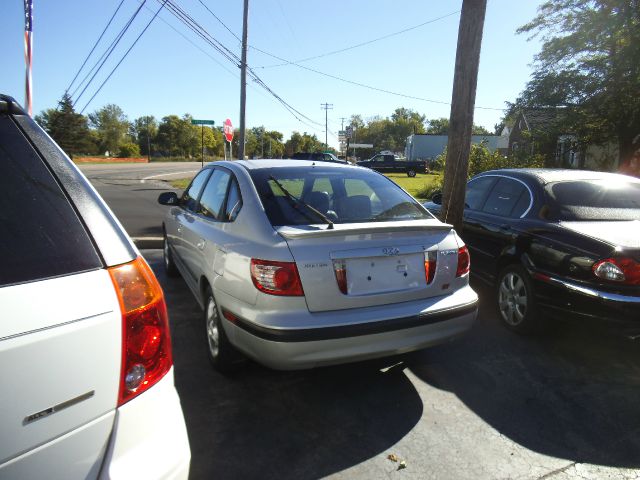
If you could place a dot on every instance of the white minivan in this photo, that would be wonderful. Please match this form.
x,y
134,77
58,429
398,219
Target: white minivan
x,y
86,371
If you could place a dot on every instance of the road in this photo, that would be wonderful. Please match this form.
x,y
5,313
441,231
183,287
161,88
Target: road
x,y
491,405
131,190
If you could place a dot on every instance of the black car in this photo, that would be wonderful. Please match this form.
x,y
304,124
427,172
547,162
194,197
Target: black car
x,y
555,243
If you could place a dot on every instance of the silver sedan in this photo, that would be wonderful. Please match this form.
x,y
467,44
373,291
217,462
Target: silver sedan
x,y
298,264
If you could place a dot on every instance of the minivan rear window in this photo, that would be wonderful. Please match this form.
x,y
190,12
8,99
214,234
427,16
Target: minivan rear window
x,y
41,234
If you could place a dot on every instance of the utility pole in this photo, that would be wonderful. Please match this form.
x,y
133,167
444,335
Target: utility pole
x,y
202,145
148,140
243,81
463,100
326,107
342,119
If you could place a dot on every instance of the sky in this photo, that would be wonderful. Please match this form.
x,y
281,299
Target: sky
x,y
172,71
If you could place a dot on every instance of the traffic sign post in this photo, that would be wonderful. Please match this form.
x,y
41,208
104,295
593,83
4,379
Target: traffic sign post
x,y
202,123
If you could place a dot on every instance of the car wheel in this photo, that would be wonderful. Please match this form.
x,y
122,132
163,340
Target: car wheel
x,y
516,300
223,356
169,265
411,173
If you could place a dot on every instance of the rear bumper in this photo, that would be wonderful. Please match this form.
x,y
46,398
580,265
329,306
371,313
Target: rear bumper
x,y
149,438
298,348
572,299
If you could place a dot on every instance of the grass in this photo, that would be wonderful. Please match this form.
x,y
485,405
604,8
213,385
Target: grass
x,y
411,185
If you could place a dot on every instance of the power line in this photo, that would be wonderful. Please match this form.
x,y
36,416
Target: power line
x,y
362,44
95,45
370,87
105,56
124,56
221,22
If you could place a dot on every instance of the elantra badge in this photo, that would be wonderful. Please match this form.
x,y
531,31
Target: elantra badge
x,y
390,251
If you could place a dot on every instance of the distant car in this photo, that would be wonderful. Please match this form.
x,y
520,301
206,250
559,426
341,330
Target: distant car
x,y
561,243
85,351
389,163
300,264
317,156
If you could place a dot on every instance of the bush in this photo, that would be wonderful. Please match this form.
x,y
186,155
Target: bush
x,y
128,150
429,189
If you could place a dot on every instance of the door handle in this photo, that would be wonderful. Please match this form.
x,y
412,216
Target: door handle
x,y
201,243
179,228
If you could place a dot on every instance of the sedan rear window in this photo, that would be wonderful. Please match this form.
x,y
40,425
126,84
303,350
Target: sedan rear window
x,y
342,195
42,236
594,200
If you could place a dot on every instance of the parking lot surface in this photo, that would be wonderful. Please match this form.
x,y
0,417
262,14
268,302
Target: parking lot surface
x,y
489,405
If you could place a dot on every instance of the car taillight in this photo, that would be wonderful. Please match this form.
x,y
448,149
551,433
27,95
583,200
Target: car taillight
x,y
464,261
146,341
276,278
620,269
340,269
430,265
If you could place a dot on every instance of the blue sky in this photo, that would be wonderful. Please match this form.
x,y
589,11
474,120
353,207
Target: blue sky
x,y
166,74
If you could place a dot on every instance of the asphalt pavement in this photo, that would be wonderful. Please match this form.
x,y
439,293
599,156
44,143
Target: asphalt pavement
x,y
131,191
490,405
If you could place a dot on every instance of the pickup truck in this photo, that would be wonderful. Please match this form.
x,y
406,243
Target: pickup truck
x,y
386,163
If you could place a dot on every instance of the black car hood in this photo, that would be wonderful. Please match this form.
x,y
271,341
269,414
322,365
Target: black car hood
x,y
625,234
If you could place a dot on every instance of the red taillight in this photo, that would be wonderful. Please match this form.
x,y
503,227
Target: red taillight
x,y
430,265
146,342
340,269
464,261
620,269
276,278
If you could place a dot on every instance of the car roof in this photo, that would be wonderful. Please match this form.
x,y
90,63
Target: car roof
x,y
286,162
550,175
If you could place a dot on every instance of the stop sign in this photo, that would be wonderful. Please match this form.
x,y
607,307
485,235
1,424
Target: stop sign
x,y
228,130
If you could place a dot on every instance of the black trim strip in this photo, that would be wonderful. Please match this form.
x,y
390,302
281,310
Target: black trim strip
x,y
345,331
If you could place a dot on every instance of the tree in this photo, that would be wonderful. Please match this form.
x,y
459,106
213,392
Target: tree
x,y
302,143
177,137
143,130
590,64
112,127
440,126
68,128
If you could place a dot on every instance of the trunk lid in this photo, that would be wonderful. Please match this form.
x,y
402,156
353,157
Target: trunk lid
x,y
384,262
624,234
60,344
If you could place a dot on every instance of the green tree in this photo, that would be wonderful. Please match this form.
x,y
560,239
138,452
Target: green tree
x,y
302,143
144,130
112,127
177,137
67,127
440,126
590,64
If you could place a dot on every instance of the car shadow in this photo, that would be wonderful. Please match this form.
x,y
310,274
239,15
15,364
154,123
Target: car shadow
x,y
261,423
570,393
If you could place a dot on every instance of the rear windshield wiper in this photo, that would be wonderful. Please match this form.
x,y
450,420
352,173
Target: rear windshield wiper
x,y
297,201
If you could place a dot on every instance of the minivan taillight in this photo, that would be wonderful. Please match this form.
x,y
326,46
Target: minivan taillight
x,y
619,269
146,342
464,261
276,278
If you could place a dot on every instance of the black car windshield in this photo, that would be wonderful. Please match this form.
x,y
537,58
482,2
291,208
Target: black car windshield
x,y
589,200
343,195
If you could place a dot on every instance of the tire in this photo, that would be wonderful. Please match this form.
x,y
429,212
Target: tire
x,y
223,356
169,265
515,300
411,173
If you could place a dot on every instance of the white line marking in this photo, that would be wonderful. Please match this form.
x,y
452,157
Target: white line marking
x,y
166,175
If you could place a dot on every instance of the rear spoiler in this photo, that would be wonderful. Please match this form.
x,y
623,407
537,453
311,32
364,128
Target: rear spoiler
x,y
318,231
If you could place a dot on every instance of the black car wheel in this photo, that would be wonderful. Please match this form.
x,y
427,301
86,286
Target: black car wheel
x,y
411,173
223,356
169,265
516,301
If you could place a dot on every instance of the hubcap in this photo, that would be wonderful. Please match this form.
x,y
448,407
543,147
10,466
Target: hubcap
x,y
213,335
512,299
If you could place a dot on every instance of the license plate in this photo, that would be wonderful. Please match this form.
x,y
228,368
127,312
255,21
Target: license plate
x,y
371,275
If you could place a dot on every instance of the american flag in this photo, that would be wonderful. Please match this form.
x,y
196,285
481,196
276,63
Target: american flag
x,y
28,50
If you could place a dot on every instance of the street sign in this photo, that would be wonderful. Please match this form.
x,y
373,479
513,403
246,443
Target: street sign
x,y
361,145
202,122
228,130
348,131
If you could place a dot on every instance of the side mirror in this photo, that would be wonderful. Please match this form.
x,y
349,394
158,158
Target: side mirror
x,y
437,198
168,198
